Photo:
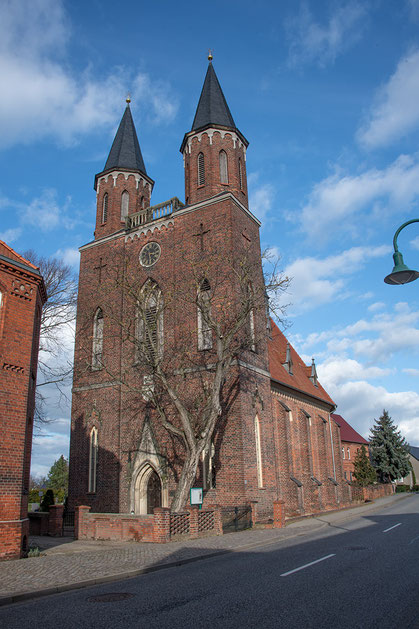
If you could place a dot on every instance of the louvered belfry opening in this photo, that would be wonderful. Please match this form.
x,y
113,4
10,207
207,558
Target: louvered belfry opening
x,y
201,169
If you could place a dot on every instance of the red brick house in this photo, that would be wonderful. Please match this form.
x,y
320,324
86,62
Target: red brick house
x,y
351,443
22,295
274,438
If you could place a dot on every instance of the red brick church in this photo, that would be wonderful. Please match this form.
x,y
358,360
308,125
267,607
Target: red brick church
x,y
161,280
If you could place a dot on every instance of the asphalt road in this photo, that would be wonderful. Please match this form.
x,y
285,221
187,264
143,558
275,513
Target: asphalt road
x,y
362,573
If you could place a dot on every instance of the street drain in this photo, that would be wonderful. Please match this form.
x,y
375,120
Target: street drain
x,y
112,597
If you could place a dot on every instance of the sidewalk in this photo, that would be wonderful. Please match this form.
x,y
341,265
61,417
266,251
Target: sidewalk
x,y
68,564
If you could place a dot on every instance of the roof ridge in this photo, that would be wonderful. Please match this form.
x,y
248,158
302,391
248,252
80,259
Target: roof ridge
x,y
17,255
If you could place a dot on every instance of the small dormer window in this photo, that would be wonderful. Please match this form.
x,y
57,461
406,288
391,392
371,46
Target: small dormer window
x,y
201,169
223,167
105,208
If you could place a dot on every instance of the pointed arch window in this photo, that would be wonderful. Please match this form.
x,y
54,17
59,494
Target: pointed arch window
x,y
93,460
223,167
149,347
204,316
240,174
97,348
105,208
124,204
258,452
201,169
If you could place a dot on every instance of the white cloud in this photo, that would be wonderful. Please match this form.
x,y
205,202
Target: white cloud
x,y
359,402
415,243
261,196
10,235
395,112
316,281
336,371
69,256
42,98
310,41
339,199
378,305
411,372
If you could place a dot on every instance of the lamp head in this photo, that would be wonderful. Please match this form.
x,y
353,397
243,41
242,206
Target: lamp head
x,y
401,274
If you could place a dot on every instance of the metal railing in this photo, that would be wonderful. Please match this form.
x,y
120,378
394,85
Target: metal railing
x,y
153,213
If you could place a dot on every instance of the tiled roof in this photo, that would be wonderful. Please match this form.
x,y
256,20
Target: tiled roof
x,y
347,433
125,151
212,107
8,252
300,378
414,451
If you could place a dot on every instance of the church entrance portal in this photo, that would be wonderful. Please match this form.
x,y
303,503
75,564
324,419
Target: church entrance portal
x,y
153,492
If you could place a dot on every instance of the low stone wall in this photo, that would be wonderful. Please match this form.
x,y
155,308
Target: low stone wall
x,y
361,494
161,527
47,522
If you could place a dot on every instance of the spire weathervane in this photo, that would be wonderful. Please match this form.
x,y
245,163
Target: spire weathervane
x,y
128,98
209,54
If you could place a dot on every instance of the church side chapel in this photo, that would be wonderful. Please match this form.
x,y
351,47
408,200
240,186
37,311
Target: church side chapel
x,y
181,379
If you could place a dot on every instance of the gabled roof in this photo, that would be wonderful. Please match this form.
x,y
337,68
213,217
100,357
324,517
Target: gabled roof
x,y
125,152
212,107
300,377
10,253
414,451
347,433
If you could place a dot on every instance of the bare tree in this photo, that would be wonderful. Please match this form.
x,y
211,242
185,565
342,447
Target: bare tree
x,y
57,324
186,383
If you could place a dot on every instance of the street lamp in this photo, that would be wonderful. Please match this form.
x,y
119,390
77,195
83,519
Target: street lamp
x,y
401,274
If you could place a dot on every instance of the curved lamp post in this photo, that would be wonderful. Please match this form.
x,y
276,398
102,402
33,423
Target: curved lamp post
x,y
401,274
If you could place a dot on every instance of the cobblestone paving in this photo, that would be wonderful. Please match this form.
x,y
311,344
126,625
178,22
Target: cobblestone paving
x,y
64,563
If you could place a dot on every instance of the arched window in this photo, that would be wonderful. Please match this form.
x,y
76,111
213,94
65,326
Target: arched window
x,y
240,174
349,453
258,452
105,208
124,204
343,453
142,203
92,460
204,315
97,348
223,167
150,324
201,169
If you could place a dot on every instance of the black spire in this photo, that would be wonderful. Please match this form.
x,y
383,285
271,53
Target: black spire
x,y
125,152
212,107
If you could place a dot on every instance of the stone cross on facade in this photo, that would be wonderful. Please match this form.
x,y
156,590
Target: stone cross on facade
x,y
99,268
201,235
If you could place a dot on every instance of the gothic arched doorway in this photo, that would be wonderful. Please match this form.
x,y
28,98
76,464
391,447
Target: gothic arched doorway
x,y
153,492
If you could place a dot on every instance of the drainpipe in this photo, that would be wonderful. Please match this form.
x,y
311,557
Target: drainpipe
x,y
331,442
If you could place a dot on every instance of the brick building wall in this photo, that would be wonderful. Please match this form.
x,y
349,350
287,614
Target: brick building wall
x,y
22,297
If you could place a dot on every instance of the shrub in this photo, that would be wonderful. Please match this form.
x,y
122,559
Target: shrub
x,y
400,489
47,500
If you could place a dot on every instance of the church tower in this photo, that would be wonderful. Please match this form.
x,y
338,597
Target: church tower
x,y
160,264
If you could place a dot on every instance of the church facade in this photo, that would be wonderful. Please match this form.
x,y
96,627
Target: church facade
x,y
172,298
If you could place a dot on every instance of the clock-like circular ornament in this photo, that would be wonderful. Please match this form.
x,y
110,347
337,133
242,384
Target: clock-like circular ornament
x,y
149,254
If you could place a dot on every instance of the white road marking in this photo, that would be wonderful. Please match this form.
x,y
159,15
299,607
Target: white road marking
x,y
414,540
392,527
285,574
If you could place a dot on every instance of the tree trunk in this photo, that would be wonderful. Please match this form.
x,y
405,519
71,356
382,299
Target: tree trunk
x,y
186,480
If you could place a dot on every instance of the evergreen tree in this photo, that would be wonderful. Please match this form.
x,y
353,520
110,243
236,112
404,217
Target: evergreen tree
x,y
58,478
389,450
364,472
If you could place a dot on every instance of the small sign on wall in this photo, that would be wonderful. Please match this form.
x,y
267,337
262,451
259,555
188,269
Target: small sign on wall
x,y
197,495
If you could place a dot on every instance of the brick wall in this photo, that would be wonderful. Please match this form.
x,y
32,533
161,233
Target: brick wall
x,y
23,295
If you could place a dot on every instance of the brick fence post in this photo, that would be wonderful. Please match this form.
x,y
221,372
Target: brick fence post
x,y
55,521
193,511
279,514
161,525
253,506
218,520
79,524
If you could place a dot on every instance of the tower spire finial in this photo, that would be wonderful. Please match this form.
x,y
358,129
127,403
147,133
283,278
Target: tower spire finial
x,y
210,57
128,98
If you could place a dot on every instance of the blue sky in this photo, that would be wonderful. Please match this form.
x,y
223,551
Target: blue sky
x,y
327,94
